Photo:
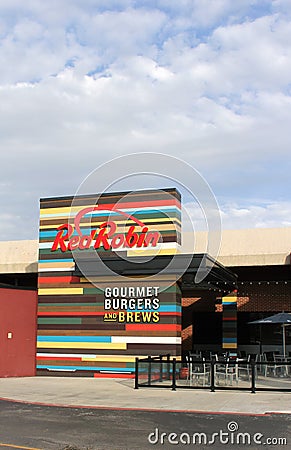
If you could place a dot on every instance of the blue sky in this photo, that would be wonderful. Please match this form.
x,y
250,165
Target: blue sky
x,y
208,81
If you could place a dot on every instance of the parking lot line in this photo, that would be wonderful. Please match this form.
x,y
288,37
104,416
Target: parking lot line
x,y
2,444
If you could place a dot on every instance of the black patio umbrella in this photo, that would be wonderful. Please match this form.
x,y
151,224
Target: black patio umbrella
x,y
283,318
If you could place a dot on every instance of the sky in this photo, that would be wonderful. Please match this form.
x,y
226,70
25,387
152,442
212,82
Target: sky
x,y
207,81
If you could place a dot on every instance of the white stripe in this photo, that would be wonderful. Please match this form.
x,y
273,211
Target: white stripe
x,y
145,340
113,371
162,245
66,355
57,269
45,245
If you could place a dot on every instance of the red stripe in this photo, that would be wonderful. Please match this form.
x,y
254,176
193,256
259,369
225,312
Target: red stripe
x,y
172,201
70,313
152,327
170,314
89,313
58,358
44,280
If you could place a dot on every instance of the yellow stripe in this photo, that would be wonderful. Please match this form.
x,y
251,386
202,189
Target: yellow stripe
x,y
64,291
229,345
18,446
94,345
145,252
229,299
112,359
65,210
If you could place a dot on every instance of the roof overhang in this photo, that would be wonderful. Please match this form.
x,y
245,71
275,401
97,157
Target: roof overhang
x,y
186,267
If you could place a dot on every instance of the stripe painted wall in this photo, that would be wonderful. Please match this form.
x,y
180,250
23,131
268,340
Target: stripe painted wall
x,y
77,336
229,324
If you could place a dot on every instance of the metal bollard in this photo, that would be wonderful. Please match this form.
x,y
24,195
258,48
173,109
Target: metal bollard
x,y
136,374
253,368
150,371
212,376
174,375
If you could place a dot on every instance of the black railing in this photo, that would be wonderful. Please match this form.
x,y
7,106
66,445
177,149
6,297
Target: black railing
x,y
153,369
166,372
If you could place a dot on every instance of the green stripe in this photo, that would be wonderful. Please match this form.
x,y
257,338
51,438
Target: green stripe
x,y
174,288
47,251
71,304
60,321
95,290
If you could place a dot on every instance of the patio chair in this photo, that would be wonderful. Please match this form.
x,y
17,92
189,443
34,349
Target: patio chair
x,y
271,366
226,371
198,370
244,368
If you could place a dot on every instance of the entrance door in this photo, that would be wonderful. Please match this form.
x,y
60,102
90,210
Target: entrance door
x,y
18,310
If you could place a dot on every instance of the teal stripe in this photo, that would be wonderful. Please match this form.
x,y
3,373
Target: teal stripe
x,y
97,368
60,260
74,339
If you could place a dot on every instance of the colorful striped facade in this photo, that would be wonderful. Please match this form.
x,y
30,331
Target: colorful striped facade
x,y
81,331
229,323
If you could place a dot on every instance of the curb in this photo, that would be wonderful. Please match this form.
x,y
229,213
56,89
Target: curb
x,y
118,408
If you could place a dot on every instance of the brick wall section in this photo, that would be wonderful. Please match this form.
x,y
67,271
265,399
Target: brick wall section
x,y
187,327
190,305
189,301
263,297
252,297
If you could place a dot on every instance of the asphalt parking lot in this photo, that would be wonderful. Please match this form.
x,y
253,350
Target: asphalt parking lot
x,y
26,426
44,413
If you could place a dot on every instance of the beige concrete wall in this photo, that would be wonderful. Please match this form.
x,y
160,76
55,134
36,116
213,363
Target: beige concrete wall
x,y
251,247
18,256
258,246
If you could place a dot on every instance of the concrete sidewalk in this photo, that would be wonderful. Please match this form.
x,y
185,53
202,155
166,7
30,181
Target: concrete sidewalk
x,y
116,393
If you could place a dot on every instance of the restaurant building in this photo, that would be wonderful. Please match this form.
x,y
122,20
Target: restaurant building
x,y
113,277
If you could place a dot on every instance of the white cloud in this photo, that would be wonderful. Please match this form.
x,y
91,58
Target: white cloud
x,y
238,216
271,215
206,81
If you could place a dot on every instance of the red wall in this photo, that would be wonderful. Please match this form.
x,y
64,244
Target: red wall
x,y
18,309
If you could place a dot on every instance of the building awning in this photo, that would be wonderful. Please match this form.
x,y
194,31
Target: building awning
x,y
217,277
